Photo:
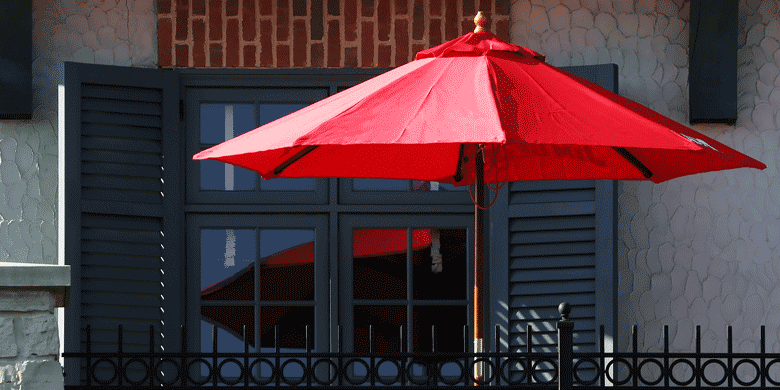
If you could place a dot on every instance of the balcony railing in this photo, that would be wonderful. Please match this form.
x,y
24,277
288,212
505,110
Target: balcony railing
x,y
623,370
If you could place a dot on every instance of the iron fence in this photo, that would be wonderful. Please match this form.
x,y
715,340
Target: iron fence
x,y
618,370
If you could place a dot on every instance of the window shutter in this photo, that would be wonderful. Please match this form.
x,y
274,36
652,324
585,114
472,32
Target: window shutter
x,y
561,248
123,208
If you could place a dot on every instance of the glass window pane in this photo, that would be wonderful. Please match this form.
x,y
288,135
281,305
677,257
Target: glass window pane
x,y
292,322
227,258
229,322
219,176
269,113
439,269
386,322
286,265
220,122
449,321
435,186
379,264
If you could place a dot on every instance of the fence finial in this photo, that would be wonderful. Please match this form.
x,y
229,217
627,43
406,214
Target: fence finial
x,y
564,308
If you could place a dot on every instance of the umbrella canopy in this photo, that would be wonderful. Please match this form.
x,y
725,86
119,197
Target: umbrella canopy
x,y
473,110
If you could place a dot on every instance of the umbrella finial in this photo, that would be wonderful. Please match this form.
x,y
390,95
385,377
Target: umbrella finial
x,y
480,21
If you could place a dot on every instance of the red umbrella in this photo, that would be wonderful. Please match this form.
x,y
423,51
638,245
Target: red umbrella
x,y
488,111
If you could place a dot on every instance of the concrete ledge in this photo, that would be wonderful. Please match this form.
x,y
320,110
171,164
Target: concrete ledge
x,y
37,277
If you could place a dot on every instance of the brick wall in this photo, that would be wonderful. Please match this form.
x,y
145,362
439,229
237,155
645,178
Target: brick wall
x,y
313,33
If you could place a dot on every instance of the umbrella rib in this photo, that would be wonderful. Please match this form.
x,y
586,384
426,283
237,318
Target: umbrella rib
x,y
294,158
458,173
634,161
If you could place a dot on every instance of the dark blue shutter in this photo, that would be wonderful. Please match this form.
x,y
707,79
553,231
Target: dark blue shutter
x,y
561,248
123,208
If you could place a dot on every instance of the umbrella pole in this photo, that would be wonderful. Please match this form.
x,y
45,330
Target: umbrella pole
x,y
479,222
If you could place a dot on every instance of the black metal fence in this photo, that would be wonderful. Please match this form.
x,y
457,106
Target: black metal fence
x,y
618,370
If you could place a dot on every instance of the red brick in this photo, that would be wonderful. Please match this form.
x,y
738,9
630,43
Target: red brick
x,y
248,20
502,29
435,7
182,19
199,7
401,42
383,17
282,56
350,57
164,45
451,20
266,7
467,26
282,20
416,48
418,21
317,56
401,7
367,45
163,7
350,20
231,50
215,55
266,48
368,8
334,44
199,43
249,56
299,43
384,56
502,7
486,6
231,7
434,35
468,10
215,20
182,56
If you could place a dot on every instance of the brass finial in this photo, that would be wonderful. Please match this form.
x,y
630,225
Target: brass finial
x,y
480,20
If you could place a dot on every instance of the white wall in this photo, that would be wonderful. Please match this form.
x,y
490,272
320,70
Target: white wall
x,y
700,250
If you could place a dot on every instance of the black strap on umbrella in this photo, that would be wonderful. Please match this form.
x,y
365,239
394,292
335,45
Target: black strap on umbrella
x,y
634,161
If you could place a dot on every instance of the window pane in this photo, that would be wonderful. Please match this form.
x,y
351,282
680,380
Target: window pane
x,y
379,264
220,122
286,265
227,258
219,176
229,322
269,113
435,186
386,322
449,321
292,322
379,185
439,270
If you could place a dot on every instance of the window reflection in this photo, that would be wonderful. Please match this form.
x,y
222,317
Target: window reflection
x,y
402,185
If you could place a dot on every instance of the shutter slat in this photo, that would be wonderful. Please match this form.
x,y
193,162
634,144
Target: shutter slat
x,y
132,171
123,208
120,93
120,119
558,274
581,325
121,286
579,286
552,223
121,158
113,222
583,195
525,263
535,301
101,297
127,196
119,144
96,129
123,107
145,237
121,274
556,185
122,183
121,249
560,236
574,248
120,261
114,311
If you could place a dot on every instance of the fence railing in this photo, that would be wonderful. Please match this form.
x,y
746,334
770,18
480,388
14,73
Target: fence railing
x,y
620,370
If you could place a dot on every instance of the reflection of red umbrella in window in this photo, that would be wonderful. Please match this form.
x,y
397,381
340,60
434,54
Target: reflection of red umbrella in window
x,y
288,276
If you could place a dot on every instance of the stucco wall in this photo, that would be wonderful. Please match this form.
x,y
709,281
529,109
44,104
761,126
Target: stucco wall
x,y
93,31
700,250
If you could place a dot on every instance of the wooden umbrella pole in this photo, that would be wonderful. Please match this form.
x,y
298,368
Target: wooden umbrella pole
x,y
479,224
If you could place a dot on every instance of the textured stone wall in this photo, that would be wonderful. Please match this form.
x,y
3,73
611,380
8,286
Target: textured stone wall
x,y
700,250
94,31
29,343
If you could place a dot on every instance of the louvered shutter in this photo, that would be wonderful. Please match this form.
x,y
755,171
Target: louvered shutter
x,y
561,248
123,209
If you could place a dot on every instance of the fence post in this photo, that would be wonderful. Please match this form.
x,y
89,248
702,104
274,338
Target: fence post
x,y
565,348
